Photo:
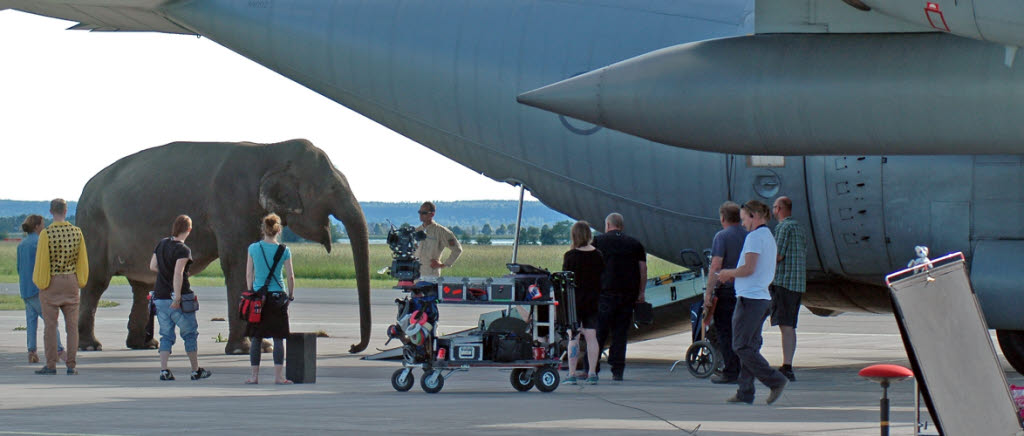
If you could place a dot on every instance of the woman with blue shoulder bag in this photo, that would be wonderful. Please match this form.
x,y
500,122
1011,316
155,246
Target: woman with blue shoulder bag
x,y
173,298
263,274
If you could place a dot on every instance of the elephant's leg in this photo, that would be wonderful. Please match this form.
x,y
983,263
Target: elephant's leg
x,y
139,317
94,288
232,262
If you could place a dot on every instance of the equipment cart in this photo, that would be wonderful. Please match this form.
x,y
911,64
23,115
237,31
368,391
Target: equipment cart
x,y
531,348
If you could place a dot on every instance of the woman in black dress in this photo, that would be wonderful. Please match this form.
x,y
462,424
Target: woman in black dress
x,y
586,263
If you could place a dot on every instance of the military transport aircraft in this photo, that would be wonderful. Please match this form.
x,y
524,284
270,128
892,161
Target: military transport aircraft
x,y
898,121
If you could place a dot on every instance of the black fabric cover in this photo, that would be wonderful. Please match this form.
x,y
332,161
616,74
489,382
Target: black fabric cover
x,y
507,339
275,318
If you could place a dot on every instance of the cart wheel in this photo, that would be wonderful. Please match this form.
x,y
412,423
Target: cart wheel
x,y
402,380
432,381
522,379
546,379
701,359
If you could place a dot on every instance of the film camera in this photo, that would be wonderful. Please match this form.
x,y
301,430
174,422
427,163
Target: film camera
x,y
403,242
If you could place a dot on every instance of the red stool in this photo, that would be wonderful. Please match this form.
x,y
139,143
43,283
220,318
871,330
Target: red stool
x,y
885,375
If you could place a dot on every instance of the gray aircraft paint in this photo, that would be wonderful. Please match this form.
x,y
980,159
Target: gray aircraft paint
x,y
447,73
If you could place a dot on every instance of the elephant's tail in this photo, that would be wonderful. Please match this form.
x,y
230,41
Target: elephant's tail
x,y
104,15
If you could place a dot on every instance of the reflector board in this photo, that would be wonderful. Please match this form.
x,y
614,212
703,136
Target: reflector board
x,y
951,351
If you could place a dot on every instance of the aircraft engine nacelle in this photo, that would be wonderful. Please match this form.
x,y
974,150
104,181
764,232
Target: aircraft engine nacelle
x,y
999,21
807,94
997,280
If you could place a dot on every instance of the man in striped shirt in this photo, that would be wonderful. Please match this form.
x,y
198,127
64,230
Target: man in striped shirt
x,y
790,279
62,269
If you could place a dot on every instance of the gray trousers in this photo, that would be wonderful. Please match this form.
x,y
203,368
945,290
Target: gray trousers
x,y
747,321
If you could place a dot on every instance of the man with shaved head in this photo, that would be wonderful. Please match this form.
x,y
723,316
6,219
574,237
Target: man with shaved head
x,y
622,286
790,279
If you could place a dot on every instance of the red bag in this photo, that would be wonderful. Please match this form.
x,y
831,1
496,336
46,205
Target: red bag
x,y
250,308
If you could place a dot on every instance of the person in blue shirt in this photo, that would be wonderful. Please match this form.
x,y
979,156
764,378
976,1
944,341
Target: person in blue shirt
x,y
274,322
29,291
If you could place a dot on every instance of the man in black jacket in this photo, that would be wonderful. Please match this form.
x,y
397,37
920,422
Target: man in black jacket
x,y
622,286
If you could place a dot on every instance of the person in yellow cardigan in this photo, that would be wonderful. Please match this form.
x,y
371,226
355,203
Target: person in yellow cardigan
x,y
62,269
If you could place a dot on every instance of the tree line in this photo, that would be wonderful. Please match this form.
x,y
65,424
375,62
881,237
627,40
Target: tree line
x,y
556,234
10,226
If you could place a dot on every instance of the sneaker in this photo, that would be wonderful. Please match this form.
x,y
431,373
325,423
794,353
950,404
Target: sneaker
x,y
570,380
72,371
46,371
165,374
592,380
722,380
200,373
33,357
616,377
62,355
776,393
735,399
788,372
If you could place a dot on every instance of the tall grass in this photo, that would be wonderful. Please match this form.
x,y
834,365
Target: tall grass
x,y
314,267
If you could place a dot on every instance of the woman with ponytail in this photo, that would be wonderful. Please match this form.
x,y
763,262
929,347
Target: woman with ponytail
x,y
264,271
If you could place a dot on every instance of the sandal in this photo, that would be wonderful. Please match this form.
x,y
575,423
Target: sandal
x,y
252,381
286,382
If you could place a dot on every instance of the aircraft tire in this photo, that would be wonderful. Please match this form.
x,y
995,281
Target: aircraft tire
x,y
1012,344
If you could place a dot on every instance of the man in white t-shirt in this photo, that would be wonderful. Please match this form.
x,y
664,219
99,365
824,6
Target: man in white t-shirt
x,y
753,274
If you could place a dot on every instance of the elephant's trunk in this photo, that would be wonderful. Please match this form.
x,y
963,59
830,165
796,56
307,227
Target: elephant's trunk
x,y
351,215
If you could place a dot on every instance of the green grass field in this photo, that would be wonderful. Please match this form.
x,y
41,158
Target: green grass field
x,y
14,302
315,268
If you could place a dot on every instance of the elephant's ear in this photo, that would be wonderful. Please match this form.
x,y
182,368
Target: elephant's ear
x,y
279,191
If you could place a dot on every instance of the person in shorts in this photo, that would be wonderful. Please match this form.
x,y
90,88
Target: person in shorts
x,y
790,279
171,261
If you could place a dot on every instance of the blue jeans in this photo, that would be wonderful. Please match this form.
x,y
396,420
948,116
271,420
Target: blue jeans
x,y
187,325
34,311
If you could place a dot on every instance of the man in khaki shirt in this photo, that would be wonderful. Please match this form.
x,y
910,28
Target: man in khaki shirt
x,y
438,237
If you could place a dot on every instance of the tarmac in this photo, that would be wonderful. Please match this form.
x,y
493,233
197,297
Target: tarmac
x,y
118,392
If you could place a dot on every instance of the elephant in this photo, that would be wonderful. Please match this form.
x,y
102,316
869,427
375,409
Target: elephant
x,y
126,208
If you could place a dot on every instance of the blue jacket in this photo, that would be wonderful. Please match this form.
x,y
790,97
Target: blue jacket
x,y
26,265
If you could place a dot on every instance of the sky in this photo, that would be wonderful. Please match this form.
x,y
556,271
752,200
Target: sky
x,y
73,102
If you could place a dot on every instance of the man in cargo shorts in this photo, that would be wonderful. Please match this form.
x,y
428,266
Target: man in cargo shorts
x,y
790,279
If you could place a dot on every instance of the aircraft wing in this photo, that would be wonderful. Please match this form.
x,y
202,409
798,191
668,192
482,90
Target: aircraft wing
x,y
104,15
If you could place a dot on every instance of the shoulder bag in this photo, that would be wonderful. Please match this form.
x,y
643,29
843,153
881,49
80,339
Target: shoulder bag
x,y
250,308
